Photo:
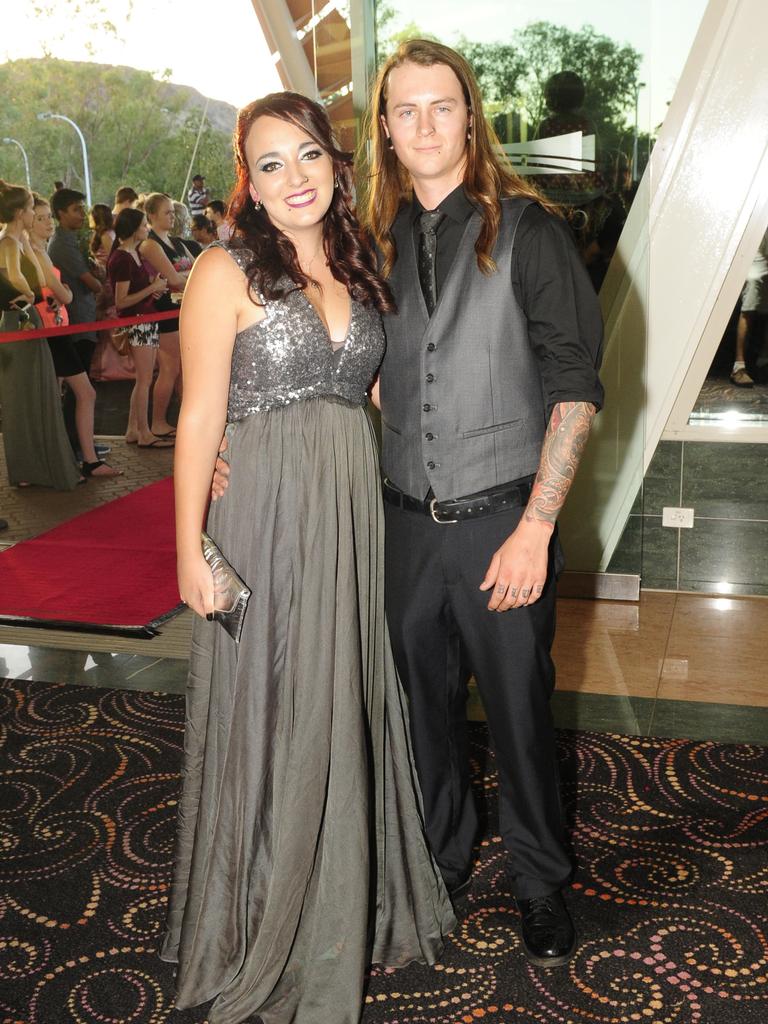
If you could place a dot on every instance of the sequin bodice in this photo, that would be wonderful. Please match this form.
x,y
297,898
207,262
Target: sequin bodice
x,y
288,357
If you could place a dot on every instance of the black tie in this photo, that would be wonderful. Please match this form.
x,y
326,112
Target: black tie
x,y
428,222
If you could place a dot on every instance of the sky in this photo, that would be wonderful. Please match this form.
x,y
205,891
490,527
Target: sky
x,y
662,30
224,55
218,48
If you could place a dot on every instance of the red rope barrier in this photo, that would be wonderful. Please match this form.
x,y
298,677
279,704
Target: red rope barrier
x,y
97,325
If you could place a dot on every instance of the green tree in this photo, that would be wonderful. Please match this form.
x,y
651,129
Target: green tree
x,y
609,70
512,74
389,37
499,69
89,18
139,129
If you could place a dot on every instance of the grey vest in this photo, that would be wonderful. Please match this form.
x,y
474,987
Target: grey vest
x,y
461,393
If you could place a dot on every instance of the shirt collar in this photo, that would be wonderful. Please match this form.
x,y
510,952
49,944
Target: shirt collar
x,y
456,205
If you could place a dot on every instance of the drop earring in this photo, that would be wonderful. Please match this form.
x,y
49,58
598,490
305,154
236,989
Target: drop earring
x,y
255,197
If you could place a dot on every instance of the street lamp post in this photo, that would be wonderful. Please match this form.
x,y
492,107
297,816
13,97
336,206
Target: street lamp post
x,y
24,154
63,117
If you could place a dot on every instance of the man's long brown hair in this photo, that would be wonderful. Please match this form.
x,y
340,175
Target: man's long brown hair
x,y
488,175
348,249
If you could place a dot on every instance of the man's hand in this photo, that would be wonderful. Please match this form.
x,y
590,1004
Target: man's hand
x,y
91,282
518,569
220,481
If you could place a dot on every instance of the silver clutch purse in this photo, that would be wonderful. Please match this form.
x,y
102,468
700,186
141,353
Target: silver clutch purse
x,y
230,593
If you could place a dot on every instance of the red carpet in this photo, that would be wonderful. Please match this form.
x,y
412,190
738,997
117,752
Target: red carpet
x,y
111,570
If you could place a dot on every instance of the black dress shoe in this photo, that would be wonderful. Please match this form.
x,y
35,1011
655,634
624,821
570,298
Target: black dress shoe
x,y
460,888
459,893
549,939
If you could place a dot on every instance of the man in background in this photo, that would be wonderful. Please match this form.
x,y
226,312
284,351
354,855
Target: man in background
x,y
203,230
215,211
198,196
68,207
125,198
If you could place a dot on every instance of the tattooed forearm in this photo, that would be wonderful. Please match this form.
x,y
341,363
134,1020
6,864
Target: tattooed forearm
x,y
564,442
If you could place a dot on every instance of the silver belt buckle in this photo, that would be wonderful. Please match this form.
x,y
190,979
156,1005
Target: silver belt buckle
x,y
442,522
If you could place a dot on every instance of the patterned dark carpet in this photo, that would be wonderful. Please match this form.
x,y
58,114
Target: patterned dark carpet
x,y
669,899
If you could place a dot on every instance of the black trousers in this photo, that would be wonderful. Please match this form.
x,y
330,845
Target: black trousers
x,y
441,631
85,348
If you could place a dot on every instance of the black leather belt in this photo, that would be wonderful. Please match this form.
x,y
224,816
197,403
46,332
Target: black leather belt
x,y
457,510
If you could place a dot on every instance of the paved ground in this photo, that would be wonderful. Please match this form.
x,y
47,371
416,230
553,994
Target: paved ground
x,y
32,510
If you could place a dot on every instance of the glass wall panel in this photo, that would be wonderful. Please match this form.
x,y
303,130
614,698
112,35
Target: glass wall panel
x,y
576,93
735,392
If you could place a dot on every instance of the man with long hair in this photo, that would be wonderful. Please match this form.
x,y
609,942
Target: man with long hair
x,y
487,392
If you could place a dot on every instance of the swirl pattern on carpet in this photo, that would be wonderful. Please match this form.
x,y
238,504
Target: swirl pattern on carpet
x,y
669,896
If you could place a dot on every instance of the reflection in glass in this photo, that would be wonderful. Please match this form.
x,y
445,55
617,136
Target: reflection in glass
x,y
567,99
576,97
735,391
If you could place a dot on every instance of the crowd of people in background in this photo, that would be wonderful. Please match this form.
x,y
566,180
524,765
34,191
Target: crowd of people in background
x,y
135,262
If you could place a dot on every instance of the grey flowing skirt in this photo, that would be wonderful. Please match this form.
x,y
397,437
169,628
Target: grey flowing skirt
x,y
301,852
37,449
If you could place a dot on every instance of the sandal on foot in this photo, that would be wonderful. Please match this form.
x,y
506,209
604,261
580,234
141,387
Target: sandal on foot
x,y
742,379
159,442
92,469
168,434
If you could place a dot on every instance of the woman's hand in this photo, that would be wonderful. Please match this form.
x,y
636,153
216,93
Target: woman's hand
x,y
196,584
159,285
220,481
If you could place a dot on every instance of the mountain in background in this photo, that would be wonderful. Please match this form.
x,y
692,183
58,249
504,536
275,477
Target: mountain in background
x,y
139,130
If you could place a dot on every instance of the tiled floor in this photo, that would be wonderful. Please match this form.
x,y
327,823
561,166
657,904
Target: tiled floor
x,y
672,664
683,665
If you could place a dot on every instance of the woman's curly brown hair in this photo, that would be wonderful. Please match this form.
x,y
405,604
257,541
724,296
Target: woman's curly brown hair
x,y
348,249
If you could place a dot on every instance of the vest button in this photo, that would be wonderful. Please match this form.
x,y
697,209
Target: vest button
x,y
430,378
431,347
430,436
426,407
430,465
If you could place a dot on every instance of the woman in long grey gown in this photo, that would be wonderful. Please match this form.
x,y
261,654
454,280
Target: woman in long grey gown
x,y
37,450
301,852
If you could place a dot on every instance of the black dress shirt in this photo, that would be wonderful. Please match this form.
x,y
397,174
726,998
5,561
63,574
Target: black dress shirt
x,y
551,286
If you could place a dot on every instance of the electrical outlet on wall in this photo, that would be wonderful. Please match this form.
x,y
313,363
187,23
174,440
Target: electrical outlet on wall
x,y
678,517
